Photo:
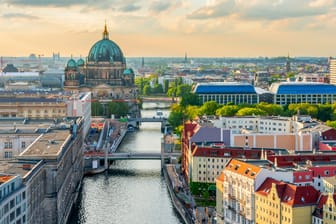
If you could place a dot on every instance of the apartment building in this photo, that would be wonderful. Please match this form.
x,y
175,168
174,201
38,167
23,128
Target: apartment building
x,y
279,202
13,200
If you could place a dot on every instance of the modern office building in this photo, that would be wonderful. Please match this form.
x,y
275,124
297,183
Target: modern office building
x,y
226,92
303,92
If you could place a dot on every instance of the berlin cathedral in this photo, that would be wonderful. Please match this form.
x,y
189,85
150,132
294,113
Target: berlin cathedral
x,y
104,72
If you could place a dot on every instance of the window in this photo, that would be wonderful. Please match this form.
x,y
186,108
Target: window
x,y
23,145
8,154
11,204
8,145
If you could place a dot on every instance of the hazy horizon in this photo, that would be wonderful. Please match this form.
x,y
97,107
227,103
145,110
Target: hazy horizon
x,y
212,28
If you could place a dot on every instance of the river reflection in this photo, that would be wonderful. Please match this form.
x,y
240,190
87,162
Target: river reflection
x,y
133,191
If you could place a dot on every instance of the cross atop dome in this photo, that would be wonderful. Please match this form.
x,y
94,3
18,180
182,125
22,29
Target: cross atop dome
x,y
105,33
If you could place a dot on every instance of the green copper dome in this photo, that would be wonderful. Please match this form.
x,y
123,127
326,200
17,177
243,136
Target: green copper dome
x,y
128,71
71,63
105,50
80,62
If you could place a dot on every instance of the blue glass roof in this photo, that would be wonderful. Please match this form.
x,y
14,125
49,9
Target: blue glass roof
x,y
304,88
224,88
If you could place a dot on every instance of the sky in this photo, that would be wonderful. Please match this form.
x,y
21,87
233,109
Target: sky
x,y
170,28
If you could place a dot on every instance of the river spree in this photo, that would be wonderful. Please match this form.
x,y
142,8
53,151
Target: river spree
x,y
133,191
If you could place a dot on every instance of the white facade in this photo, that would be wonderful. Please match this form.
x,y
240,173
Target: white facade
x,y
12,144
80,105
13,202
257,124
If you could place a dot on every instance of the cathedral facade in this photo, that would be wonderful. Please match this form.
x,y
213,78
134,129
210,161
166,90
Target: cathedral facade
x,y
104,72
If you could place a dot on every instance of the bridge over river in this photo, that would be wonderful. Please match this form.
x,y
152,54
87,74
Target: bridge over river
x,y
132,155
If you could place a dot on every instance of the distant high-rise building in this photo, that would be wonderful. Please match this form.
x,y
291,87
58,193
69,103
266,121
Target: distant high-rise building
x,y
332,70
288,64
142,62
185,58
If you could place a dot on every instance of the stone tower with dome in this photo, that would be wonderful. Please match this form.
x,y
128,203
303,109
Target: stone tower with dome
x,y
104,72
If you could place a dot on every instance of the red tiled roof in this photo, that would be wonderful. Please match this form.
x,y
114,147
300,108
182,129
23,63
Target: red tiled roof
x,y
321,201
209,151
290,193
289,160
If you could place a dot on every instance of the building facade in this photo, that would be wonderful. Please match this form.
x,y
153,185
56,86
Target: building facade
x,y
332,70
13,200
278,202
224,93
286,93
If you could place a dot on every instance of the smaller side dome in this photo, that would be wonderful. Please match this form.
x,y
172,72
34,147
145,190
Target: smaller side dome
x,y
128,71
71,63
80,62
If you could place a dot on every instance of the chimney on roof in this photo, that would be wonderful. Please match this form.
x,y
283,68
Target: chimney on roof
x,y
275,162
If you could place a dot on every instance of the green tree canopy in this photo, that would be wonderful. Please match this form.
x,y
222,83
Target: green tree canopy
x,y
209,108
250,111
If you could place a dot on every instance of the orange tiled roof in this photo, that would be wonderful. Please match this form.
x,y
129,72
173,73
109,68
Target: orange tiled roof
x,y
242,168
4,179
220,177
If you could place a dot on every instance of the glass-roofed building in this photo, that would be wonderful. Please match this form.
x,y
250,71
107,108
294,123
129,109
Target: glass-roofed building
x,y
226,92
303,92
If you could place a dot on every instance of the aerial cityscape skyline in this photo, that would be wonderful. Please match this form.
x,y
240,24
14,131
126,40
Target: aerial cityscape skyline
x,y
213,28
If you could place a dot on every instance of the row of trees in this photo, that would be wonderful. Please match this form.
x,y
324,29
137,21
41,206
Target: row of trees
x,y
183,112
118,109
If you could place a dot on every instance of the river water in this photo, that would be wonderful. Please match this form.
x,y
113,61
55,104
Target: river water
x,y
133,191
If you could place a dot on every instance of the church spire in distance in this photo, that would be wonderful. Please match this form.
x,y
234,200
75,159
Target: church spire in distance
x,y
105,33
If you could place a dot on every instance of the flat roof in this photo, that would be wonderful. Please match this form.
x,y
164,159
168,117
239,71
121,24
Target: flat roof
x,y
14,167
47,146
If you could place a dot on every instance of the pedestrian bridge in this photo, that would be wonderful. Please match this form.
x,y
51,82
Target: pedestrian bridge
x,y
148,119
131,155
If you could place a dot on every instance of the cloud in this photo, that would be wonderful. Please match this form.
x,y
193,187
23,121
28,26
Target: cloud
x,y
214,10
47,3
159,6
262,9
19,16
130,8
163,6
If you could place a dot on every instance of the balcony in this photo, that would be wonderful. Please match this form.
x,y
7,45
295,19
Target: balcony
x,y
232,209
233,197
242,213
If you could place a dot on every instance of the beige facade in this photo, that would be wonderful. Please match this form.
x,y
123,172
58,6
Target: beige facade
x,y
32,108
329,210
291,141
332,70
206,169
